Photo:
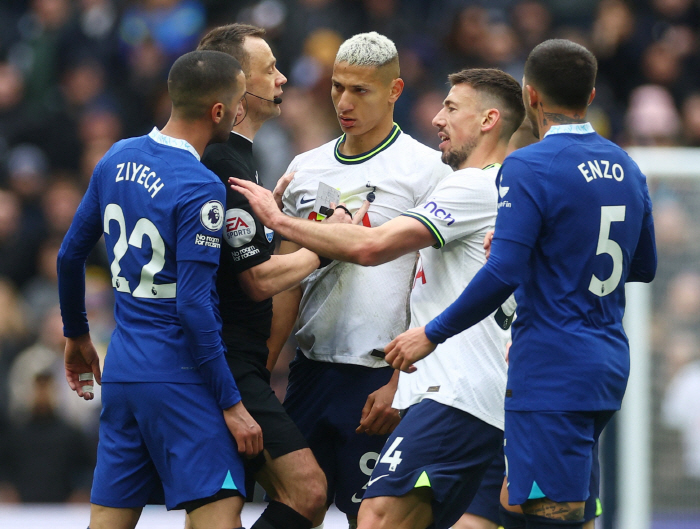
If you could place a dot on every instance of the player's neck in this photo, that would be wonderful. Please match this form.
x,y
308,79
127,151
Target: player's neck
x,y
193,133
357,144
549,116
248,128
485,155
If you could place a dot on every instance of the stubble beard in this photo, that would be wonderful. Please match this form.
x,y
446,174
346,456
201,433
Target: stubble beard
x,y
456,157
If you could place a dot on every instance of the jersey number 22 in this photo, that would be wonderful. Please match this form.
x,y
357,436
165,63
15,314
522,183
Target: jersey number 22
x,y
146,288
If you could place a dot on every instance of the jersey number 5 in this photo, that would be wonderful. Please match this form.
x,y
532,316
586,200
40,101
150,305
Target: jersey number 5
x,y
608,215
146,288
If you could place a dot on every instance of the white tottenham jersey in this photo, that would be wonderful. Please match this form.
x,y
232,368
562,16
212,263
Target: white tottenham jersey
x,y
348,313
468,371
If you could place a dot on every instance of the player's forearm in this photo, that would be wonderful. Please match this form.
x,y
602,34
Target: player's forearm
x,y
76,246
342,242
277,274
285,308
489,288
202,331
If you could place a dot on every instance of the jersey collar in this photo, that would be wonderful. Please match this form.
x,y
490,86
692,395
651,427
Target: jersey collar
x,y
491,166
363,157
178,143
242,136
571,128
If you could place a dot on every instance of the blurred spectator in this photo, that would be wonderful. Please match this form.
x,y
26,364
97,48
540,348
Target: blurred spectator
x,y
174,26
37,51
46,356
13,111
45,459
59,203
652,118
41,292
424,110
680,409
532,22
691,120
27,168
14,335
465,40
17,246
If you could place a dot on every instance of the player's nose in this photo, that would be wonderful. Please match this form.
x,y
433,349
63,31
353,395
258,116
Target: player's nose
x,y
439,119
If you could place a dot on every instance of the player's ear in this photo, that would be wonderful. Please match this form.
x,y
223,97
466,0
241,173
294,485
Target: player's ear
x,y
533,97
592,97
396,89
217,112
490,118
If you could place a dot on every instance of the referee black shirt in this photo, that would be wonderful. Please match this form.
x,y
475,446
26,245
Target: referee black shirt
x,y
247,243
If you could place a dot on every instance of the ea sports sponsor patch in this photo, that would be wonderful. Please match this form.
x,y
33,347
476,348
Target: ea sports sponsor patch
x,y
212,215
240,227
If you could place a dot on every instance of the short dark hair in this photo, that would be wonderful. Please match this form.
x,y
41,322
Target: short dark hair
x,y
229,39
564,71
199,79
500,86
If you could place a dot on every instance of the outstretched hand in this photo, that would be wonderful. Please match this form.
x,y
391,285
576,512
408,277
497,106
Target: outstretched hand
x,y
82,366
407,348
261,200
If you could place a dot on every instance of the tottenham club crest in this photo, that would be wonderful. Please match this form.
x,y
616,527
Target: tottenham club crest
x,y
240,227
212,215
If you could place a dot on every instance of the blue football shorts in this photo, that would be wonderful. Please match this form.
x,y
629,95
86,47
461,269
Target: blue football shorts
x,y
551,454
439,447
161,432
488,496
325,400
487,499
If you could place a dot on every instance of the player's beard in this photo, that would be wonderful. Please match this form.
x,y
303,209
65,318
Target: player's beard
x,y
456,157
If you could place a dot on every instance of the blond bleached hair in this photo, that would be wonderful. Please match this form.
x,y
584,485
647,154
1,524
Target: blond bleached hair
x,y
368,49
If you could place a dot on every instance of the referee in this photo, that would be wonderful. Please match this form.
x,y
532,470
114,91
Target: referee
x,y
249,275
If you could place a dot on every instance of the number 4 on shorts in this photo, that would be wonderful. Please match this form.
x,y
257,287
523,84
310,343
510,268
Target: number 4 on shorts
x,y
395,459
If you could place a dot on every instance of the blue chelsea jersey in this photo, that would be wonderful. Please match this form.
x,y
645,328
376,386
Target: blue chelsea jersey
x,y
157,205
580,203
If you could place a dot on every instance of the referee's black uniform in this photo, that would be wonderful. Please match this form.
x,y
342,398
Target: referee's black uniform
x,y
246,323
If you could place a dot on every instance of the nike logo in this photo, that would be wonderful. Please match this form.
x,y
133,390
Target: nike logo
x,y
502,190
307,200
355,499
371,481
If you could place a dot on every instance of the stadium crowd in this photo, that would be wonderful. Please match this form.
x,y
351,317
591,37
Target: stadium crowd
x,y
78,75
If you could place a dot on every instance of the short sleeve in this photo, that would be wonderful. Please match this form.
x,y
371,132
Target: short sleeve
x,y
247,242
522,203
459,206
200,219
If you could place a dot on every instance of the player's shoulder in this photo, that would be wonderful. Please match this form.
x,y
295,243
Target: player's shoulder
x,y
467,181
218,151
414,150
